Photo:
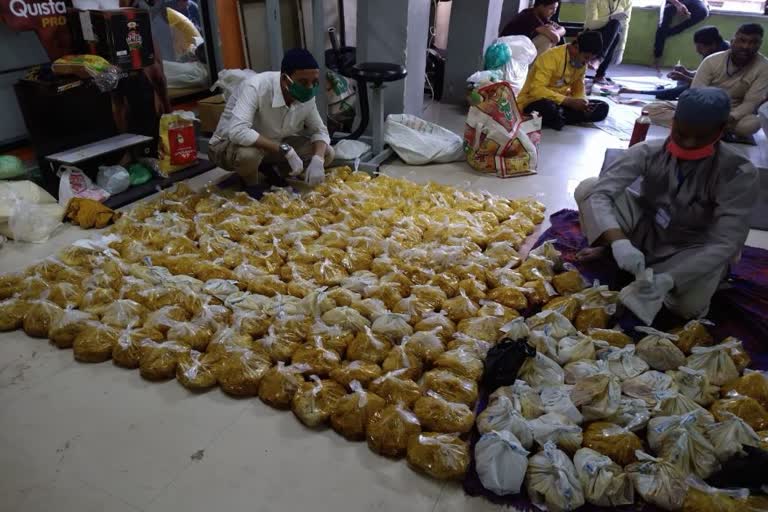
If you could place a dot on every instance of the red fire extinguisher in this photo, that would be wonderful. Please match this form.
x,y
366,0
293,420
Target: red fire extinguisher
x,y
640,131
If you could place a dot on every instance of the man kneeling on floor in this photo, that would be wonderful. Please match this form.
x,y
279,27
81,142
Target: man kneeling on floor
x,y
679,207
555,84
271,127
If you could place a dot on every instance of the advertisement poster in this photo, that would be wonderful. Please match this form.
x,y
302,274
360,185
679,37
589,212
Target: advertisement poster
x,y
48,18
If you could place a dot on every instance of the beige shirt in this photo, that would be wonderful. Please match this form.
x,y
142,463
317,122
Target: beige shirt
x,y
258,108
747,87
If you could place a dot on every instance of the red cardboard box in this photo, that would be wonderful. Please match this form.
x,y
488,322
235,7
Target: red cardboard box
x,y
122,36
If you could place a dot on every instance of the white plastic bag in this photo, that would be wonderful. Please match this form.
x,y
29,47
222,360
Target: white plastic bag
x,y
658,351
658,481
113,178
501,415
349,149
27,212
558,429
558,399
75,183
522,54
598,395
420,142
604,482
695,385
622,362
730,436
552,482
715,361
647,386
501,462
540,371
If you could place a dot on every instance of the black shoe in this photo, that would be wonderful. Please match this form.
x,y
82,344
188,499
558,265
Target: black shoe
x,y
272,177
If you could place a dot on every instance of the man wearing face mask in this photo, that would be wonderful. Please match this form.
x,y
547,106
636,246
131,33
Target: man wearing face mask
x,y
271,126
679,207
555,84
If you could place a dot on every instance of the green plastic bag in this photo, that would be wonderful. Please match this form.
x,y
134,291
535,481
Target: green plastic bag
x,y
497,55
10,167
139,174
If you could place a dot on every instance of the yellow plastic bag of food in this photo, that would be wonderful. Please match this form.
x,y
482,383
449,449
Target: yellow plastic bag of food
x,y
165,318
389,429
569,307
441,456
353,411
124,312
362,371
196,371
462,362
658,481
65,295
604,482
314,401
485,328
489,308
614,337
280,345
159,360
392,326
395,388
126,352
367,346
12,312
64,330
591,318
551,322
319,360
279,384
430,322
704,498
753,384
431,294
426,345
693,334
436,414
460,307
40,316
739,355
400,358
568,282
239,371
450,386
347,318
94,343
745,408
97,300
613,441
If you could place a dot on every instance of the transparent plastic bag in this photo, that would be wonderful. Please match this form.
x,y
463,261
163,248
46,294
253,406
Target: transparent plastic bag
x,y
658,481
159,360
400,358
551,481
392,326
346,318
604,482
568,282
598,395
501,415
426,345
552,323
704,498
745,408
436,414
314,401
94,343
574,348
353,411
66,328
362,371
716,362
195,371
658,350
395,388
523,398
693,334
367,346
441,456
12,312
501,462
389,429
279,384
753,384
462,362
558,429
450,386
616,442
320,361
541,371
39,317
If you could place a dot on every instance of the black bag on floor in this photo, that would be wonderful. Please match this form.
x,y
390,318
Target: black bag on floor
x,y
503,362
745,471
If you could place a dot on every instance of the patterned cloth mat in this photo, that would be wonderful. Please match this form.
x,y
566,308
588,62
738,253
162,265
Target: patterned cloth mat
x,y
739,309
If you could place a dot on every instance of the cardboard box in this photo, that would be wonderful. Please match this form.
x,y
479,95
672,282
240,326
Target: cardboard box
x,y
209,111
121,36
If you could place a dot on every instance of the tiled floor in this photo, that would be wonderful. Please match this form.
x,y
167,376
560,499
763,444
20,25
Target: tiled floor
x,y
95,437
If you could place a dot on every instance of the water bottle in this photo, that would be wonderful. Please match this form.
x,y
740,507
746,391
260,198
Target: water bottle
x,y
640,131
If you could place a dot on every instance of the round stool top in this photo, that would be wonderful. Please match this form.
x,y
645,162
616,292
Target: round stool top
x,y
377,72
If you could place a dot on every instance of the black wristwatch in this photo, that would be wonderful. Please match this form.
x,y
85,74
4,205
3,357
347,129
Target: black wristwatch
x,y
284,148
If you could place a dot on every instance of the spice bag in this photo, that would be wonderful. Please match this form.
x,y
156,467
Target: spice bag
x,y
497,138
178,145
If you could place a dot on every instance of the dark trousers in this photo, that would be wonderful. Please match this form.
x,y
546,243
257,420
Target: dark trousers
x,y
556,116
699,11
669,94
611,33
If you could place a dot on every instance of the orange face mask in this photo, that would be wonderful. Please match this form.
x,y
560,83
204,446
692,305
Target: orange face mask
x,y
699,153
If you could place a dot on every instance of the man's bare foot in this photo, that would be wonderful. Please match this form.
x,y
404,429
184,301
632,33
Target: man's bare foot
x,y
590,254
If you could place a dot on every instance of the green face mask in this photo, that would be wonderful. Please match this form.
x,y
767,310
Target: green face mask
x,y
300,92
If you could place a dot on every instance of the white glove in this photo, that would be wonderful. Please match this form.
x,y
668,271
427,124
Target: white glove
x,y
315,171
628,257
646,295
619,16
294,162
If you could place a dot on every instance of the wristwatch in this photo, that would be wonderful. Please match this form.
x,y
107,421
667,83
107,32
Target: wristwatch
x,y
284,148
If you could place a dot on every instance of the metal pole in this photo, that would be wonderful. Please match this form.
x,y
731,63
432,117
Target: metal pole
x,y
318,50
377,118
274,34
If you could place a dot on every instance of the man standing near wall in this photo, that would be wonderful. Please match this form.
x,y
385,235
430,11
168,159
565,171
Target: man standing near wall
x,y
611,19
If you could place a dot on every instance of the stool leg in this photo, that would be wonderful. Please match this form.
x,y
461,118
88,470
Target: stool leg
x,y
377,118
